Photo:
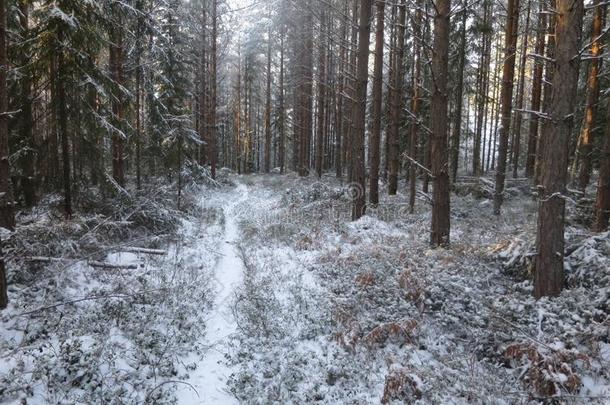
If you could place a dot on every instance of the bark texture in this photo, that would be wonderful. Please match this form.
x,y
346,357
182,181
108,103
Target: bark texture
x,y
549,275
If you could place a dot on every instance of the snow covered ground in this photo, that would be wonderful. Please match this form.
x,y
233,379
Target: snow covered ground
x,y
207,384
269,294
365,312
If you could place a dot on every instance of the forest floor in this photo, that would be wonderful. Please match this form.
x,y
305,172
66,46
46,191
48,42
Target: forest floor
x,y
267,293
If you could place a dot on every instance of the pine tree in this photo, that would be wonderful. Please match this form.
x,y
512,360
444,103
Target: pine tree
x,y
7,215
362,75
396,104
375,138
439,235
585,149
506,98
549,275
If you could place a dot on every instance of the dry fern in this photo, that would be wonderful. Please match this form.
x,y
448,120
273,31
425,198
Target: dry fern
x,y
396,332
401,385
548,375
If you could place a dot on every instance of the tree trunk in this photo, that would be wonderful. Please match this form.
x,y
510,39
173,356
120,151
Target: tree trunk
x,y
520,95
439,235
351,94
62,125
118,137
321,95
341,125
362,77
536,96
26,121
396,101
306,93
202,99
138,91
7,214
549,276
415,104
481,94
375,137
459,100
548,88
281,120
427,81
506,97
213,91
602,203
491,147
586,135
389,92
238,126
268,106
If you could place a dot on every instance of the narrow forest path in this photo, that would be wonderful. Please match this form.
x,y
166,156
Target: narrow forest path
x,y
210,378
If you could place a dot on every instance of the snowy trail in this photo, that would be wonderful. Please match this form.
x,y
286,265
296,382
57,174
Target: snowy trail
x,y
210,377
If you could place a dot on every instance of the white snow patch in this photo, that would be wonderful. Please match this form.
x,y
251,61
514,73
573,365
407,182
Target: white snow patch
x,y
208,383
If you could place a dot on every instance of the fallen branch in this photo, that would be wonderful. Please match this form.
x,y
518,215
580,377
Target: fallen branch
x,y
91,298
416,163
44,259
92,263
144,251
105,265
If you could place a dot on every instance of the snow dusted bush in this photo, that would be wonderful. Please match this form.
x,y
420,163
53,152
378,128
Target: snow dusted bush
x,y
80,334
396,322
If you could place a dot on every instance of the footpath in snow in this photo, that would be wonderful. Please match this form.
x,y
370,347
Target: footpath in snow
x,y
208,383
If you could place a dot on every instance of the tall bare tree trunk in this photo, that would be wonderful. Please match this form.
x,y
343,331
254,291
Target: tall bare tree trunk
x,y
549,276
282,117
439,234
362,77
306,94
138,90
506,98
341,124
62,125
389,92
213,90
238,118
7,216
415,104
532,142
374,139
351,93
426,154
118,136
268,106
321,95
459,101
203,86
586,135
396,100
520,94
491,147
602,202
26,120
549,74
481,92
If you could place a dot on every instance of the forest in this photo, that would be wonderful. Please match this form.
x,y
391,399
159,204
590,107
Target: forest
x,y
304,201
